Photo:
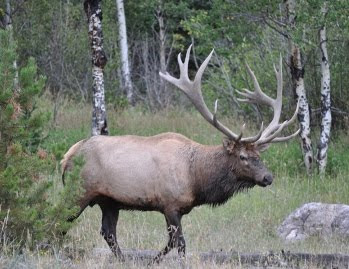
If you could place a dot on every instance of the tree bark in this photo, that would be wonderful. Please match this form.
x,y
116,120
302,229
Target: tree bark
x,y
326,117
9,28
93,12
125,67
162,37
297,73
159,13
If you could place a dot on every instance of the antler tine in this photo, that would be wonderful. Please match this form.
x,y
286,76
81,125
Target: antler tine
x,y
258,93
277,103
281,127
268,139
254,138
259,97
294,116
215,112
242,100
242,129
193,90
273,138
286,138
274,125
183,67
202,68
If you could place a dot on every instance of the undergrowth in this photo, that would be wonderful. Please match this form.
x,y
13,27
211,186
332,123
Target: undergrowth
x,y
247,223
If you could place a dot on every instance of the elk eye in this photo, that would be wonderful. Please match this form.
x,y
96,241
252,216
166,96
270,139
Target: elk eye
x,y
243,158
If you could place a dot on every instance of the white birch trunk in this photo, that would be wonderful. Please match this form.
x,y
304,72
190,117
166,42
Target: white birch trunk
x,y
125,67
326,117
297,72
9,28
93,11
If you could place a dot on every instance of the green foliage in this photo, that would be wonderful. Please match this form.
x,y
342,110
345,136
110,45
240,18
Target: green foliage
x,y
118,102
17,120
285,158
55,33
22,192
338,157
28,213
57,212
31,217
260,210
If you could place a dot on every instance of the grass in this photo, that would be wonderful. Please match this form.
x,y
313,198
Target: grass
x,y
246,223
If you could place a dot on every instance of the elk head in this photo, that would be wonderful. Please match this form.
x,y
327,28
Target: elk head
x,y
246,163
244,152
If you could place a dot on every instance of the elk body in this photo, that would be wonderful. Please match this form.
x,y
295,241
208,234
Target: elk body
x,y
170,173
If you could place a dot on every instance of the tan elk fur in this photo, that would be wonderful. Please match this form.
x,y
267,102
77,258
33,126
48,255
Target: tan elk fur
x,y
163,172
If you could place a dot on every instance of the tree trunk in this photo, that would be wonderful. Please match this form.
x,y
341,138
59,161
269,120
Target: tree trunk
x,y
93,12
326,117
159,13
297,73
9,28
125,69
162,38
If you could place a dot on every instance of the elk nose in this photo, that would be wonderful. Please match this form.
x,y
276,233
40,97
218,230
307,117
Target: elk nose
x,y
268,179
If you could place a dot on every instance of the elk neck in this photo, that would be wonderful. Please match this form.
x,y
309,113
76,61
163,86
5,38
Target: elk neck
x,y
216,176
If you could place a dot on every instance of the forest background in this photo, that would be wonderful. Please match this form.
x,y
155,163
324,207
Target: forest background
x,y
46,96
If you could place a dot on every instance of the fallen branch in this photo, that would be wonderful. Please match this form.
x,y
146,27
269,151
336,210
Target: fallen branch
x,y
274,259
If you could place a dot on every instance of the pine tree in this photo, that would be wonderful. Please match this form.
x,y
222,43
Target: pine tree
x,y
28,216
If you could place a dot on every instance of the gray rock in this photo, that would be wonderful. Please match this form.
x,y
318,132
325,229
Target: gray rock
x,y
316,219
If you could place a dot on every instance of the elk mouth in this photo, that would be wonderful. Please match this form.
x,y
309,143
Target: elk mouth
x,y
262,184
266,181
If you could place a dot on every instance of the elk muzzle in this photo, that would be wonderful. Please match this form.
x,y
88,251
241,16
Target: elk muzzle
x,y
266,180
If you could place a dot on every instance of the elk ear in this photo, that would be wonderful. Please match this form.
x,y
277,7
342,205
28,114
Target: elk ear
x,y
263,147
228,145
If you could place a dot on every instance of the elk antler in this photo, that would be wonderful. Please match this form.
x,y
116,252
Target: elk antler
x,y
193,90
270,134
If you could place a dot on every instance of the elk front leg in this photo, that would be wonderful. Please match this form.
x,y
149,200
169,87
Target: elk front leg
x,y
109,220
176,239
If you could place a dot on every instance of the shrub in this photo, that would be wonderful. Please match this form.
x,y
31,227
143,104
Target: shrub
x,y
28,214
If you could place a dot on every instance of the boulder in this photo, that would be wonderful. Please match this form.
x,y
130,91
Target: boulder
x,y
316,219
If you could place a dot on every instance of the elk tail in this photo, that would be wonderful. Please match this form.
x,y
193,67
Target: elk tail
x,y
67,156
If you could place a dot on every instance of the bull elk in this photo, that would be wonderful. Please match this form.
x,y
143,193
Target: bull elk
x,y
170,173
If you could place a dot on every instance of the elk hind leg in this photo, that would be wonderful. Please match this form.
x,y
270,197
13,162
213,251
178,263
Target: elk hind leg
x,y
110,216
75,216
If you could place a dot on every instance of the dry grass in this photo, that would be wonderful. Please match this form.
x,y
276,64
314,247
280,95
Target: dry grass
x,y
247,223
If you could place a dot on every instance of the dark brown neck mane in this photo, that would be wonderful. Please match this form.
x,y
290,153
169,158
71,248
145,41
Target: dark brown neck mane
x,y
216,178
